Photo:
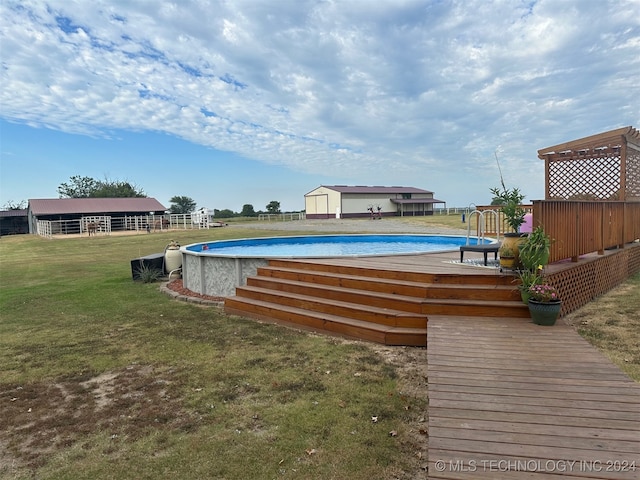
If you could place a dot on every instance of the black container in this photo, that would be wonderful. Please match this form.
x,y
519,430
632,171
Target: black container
x,y
154,261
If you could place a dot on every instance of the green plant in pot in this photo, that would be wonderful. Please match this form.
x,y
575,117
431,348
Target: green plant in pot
x,y
509,201
507,256
534,252
526,279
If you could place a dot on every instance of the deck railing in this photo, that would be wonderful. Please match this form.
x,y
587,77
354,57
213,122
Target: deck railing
x,y
492,222
578,228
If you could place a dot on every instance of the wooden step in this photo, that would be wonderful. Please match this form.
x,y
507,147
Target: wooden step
x,y
369,298
333,306
384,305
486,306
493,291
322,322
366,269
471,308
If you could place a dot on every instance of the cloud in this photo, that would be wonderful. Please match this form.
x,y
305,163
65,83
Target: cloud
x,y
330,86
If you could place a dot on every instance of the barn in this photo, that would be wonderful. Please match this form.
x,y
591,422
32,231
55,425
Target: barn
x,y
79,215
331,201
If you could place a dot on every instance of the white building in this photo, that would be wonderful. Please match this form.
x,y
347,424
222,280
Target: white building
x,y
331,201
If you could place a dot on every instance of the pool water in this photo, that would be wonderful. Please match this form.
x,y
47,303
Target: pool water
x,y
331,245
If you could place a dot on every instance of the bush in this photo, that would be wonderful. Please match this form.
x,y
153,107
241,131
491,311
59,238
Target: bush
x,y
148,274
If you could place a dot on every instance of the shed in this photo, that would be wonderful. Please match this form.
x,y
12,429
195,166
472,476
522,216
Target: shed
x,y
69,212
330,201
13,221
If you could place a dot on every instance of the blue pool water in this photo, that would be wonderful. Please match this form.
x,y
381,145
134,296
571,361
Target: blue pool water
x,y
331,245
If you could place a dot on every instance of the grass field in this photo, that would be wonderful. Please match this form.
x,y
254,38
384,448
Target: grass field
x,y
103,377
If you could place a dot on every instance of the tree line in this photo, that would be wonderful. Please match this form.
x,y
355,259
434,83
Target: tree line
x,y
87,187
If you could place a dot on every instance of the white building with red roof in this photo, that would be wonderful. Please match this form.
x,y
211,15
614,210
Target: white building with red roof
x,y
331,201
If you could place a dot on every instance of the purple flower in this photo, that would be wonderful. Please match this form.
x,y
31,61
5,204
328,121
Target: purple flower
x,y
544,293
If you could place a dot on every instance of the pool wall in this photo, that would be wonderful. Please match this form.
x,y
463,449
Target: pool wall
x,y
217,276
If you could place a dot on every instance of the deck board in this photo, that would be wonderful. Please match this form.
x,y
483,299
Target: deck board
x,y
510,399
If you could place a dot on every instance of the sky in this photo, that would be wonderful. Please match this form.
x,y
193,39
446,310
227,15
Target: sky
x,y
247,101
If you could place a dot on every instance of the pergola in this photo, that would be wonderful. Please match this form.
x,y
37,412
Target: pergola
x,y
605,166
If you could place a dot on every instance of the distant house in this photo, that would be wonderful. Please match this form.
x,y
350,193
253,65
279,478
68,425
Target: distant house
x,y
66,213
345,201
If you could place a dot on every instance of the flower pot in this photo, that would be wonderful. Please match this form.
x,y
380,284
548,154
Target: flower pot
x,y
508,262
544,313
511,242
524,294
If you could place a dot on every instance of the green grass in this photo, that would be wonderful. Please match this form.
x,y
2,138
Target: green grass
x,y
612,324
103,377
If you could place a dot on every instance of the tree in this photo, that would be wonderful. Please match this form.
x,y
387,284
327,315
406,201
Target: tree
x,y
273,207
181,204
226,213
78,187
11,205
87,187
117,189
248,211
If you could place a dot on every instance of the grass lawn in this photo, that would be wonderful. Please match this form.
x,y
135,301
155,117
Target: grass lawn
x,y
612,324
103,377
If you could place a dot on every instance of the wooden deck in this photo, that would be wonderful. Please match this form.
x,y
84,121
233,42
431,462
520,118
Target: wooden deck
x,y
389,299
510,399
380,299
507,398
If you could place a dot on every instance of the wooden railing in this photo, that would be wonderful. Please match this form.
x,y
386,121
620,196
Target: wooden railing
x,y
578,228
491,222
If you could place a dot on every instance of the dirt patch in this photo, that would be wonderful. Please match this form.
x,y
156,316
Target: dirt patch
x,y
40,418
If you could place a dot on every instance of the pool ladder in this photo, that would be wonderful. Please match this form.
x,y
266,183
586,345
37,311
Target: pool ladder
x,y
481,225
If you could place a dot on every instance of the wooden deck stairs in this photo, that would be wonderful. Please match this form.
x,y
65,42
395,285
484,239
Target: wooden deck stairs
x,y
382,305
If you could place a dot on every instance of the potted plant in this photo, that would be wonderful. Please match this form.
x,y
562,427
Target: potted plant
x,y
507,256
509,201
527,279
534,252
544,303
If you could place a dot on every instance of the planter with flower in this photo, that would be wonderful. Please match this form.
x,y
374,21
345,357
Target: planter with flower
x,y
544,303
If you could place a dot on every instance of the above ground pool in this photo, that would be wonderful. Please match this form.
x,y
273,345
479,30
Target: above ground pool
x,y
217,268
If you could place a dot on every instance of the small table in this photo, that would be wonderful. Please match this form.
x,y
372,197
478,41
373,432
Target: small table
x,y
484,249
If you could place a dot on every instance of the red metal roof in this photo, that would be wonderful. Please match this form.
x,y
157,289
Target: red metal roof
x,y
61,206
374,189
13,213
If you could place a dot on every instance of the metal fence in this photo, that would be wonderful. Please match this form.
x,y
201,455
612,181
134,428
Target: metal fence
x,y
281,217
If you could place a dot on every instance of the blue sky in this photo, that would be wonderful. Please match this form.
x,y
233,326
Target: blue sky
x,y
251,101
